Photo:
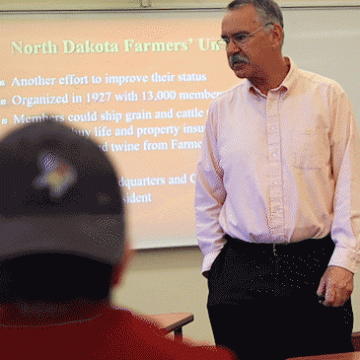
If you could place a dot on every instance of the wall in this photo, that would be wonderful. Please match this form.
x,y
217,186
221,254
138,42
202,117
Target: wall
x,y
165,280
168,280
117,4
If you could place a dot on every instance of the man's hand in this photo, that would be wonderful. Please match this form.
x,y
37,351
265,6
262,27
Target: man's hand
x,y
336,285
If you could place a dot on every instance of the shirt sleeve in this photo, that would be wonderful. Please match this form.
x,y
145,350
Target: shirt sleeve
x,y
345,145
210,193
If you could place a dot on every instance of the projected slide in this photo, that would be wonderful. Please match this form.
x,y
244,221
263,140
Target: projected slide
x,y
139,84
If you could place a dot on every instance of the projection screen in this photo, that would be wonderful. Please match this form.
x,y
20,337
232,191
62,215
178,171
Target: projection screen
x,y
140,83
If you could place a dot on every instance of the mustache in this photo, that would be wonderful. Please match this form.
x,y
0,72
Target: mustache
x,y
237,58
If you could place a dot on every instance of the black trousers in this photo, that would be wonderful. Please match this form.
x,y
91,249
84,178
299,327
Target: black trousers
x,y
263,304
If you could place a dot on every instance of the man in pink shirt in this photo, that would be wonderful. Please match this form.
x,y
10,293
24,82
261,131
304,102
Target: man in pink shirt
x,y
277,199
62,247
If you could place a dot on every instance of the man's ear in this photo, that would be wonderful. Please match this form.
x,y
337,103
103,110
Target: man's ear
x,y
120,269
277,33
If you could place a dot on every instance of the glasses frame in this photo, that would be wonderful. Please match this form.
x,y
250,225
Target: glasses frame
x,y
243,36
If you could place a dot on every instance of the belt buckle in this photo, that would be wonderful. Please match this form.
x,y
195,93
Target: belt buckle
x,y
274,250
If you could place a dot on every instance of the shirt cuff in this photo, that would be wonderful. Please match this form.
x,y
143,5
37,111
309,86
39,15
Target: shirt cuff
x,y
209,260
345,258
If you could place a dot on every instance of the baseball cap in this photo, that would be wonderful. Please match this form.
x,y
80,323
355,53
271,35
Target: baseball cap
x,y
59,194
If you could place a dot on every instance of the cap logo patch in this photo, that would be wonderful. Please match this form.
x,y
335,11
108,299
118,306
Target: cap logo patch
x,y
57,174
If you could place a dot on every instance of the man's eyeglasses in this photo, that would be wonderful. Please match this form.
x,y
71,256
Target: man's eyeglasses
x,y
241,37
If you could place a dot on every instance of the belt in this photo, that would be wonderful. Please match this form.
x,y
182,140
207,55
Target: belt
x,y
302,246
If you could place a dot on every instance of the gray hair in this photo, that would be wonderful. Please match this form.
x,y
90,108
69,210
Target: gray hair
x,y
268,10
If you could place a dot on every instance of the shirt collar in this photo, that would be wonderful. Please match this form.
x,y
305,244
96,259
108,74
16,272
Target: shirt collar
x,y
291,76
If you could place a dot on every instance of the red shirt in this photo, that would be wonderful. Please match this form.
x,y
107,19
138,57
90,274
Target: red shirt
x,y
113,334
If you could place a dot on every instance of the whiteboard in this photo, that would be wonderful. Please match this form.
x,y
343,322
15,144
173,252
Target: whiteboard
x,y
326,41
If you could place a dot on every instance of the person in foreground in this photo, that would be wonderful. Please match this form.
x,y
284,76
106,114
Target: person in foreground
x,y
62,246
277,199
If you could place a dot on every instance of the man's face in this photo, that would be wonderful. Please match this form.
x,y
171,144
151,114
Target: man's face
x,y
247,55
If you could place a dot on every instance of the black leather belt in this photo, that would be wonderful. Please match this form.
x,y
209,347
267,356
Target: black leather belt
x,y
298,247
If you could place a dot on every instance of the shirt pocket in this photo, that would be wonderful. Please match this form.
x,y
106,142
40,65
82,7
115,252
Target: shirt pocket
x,y
310,149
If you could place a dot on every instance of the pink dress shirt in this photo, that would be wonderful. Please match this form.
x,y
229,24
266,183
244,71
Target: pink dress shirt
x,y
281,168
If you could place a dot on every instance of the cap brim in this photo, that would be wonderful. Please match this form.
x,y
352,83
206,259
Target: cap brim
x,y
99,237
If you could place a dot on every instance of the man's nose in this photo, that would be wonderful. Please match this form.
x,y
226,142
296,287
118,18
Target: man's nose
x,y
232,48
